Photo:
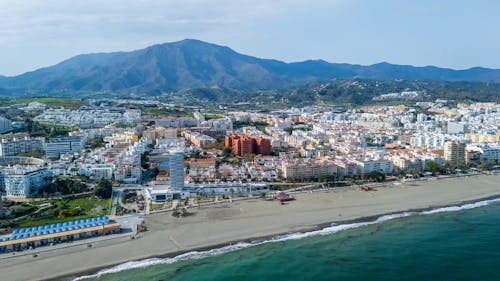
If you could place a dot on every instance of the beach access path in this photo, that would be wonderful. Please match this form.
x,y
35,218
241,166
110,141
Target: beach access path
x,y
243,220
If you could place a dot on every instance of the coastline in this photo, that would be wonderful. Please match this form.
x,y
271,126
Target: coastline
x,y
93,271
316,214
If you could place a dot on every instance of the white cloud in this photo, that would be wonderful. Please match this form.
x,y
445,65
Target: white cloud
x,y
36,33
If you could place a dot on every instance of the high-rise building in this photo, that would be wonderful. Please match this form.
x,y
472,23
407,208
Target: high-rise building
x,y
14,146
5,125
22,177
1,205
62,145
242,144
457,128
176,166
454,152
263,146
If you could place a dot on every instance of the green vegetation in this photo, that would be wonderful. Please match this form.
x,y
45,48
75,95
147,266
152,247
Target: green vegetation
x,y
230,160
97,142
433,167
104,189
51,102
374,176
65,185
37,213
145,160
36,129
174,112
209,116
349,92
260,125
34,153
195,154
487,166
218,144
249,157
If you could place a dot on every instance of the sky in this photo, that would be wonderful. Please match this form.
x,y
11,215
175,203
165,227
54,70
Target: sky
x,y
447,33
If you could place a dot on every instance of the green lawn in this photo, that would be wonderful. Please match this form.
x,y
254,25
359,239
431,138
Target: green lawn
x,y
90,207
174,112
52,102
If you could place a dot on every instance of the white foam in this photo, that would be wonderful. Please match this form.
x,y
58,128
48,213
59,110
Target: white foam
x,y
462,207
293,236
156,261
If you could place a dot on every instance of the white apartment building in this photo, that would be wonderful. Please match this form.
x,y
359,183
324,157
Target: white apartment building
x,y
98,171
22,177
128,173
5,125
62,145
14,146
368,166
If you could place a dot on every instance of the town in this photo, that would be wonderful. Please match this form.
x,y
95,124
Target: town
x,y
137,157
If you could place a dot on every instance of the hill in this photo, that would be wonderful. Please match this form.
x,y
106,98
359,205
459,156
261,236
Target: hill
x,y
193,64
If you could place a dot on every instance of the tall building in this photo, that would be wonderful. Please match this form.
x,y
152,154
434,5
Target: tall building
x,y
22,177
176,166
307,168
242,144
62,145
1,204
263,146
14,146
454,153
5,125
457,128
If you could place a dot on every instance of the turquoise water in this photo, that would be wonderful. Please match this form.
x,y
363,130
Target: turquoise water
x,y
458,245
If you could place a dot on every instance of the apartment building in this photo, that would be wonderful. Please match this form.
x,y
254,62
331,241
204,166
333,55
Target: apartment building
x,y
454,153
62,145
307,168
14,146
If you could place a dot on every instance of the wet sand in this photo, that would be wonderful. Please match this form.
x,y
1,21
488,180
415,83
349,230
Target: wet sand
x,y
245,220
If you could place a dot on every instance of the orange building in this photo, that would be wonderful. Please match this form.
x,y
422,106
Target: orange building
x,y
263,146
242,144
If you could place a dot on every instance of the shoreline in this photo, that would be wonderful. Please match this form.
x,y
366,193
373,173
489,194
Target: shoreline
x,y
253,220
252,240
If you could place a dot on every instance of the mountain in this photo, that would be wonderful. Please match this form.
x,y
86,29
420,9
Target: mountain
x,y
191,64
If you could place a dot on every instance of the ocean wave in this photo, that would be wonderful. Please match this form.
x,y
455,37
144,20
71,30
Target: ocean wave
x,y
292,236
155,261
461,207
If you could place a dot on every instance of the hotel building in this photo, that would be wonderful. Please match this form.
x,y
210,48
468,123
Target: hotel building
x,y
454,153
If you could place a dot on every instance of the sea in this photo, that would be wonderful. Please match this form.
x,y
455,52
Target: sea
x,y
451,243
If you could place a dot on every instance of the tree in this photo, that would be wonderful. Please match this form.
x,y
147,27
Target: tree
x,y
375,175
249,157
145,160
487,165
97,142
104,188
227,151
433,167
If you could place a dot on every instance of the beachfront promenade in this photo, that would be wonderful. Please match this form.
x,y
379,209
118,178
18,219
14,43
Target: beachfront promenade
x,y
225,223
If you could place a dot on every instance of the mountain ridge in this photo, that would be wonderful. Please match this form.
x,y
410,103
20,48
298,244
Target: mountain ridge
x,y
191,63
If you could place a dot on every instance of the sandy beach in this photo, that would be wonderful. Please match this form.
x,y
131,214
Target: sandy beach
x,y
239,221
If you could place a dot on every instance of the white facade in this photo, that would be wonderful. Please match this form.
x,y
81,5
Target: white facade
x,y
22,177
5,125
25,185
307,168
57,146
383,166
176,166
98,171
14,146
